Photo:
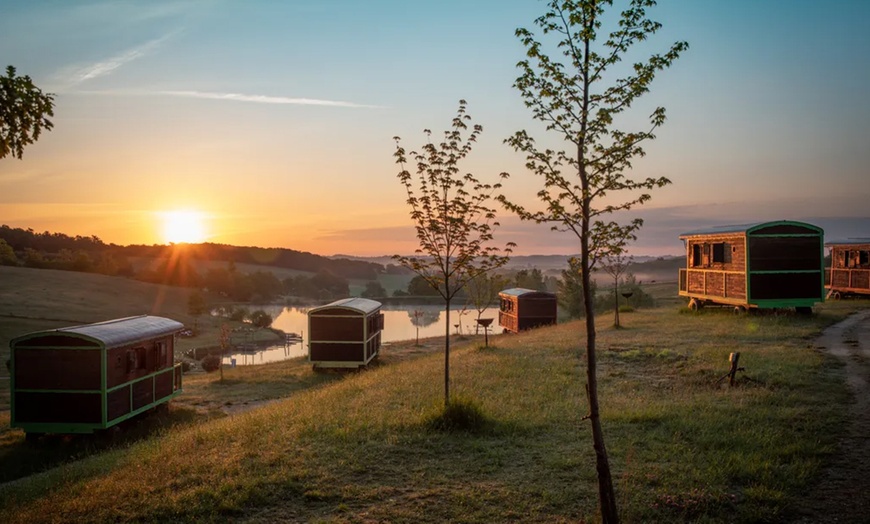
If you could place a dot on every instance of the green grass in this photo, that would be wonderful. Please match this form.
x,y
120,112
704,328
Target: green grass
x,y
359,447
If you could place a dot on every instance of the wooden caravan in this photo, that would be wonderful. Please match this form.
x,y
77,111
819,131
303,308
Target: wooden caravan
x,y
521,309
345,333
85,378
850,268
765,265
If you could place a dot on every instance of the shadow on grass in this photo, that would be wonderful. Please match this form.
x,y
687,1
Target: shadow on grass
x,y
20,458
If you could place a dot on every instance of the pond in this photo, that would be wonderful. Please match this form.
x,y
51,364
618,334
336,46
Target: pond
x,y
400,323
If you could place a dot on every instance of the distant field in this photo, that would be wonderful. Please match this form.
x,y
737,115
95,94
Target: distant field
x,y
37,299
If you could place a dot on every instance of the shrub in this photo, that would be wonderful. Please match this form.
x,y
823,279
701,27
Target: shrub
x,y
461,414
210,363
185,366
239,314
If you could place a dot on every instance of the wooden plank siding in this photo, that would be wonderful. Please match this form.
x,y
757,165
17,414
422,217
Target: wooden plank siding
x,y
715,272
850,269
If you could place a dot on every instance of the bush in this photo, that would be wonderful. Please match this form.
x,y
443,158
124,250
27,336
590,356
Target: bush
x,y
260,318
185,366
626,309
210,363
239,314
461,414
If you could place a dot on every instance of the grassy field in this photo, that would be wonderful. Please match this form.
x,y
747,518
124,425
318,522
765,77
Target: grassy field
x,y
358,447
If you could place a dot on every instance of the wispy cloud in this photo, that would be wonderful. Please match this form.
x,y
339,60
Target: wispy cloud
x,y
75,75
232,97
263,99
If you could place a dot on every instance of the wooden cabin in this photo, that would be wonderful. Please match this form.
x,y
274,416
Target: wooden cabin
x,y
849,273
765,265
521,309
345,333
85,378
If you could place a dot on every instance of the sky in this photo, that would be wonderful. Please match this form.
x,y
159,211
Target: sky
x,y
274,120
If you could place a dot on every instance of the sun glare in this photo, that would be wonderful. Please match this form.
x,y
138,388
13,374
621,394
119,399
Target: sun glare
x,y
183,227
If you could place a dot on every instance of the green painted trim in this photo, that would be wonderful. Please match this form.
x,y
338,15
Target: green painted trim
x,y
61,391
765,225
746,265
789,235
784,271
143,409
145,377
63,348
785,303
11,384
104,399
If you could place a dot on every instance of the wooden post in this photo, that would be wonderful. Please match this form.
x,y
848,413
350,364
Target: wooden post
x,y
734,358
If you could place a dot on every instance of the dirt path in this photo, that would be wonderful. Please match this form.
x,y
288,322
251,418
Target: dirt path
x,y
842,494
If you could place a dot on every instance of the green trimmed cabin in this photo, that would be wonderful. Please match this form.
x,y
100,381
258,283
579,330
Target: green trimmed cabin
x,y
521,309
849,273
764,265
85,378
345,333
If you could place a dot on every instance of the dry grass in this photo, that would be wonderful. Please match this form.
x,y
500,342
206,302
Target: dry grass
x,y
357,448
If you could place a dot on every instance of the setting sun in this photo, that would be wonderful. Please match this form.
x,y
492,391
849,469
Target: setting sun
x,y
183,227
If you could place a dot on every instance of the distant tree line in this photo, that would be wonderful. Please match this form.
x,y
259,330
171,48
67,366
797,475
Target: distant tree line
x,y
190,265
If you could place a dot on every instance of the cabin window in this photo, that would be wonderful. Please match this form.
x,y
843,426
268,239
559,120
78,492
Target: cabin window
x,y
140,358
863,258
696,255
164,353
719,253
131,360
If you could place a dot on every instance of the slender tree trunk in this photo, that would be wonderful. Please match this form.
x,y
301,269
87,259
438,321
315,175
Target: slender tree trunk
x,y
606,495
447,357
616,301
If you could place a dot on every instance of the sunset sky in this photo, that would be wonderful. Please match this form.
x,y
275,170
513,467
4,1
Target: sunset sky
x,y
274,119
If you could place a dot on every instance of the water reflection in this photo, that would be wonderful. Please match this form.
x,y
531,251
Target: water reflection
x,y
400,323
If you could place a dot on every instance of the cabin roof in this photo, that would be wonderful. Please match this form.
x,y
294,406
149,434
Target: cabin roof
x,y
363,305
848,242
117,332
520,291
746,228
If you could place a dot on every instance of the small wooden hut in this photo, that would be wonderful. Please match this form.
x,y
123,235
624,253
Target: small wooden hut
x,y
521,309
850,268
84,378
765,265
345,333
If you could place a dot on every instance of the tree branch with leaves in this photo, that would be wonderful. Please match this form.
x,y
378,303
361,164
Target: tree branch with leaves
x,y
578,94
452,215
24,112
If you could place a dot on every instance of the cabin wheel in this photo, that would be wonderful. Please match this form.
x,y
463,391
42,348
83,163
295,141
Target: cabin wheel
x,y
694,304
836,295
739,310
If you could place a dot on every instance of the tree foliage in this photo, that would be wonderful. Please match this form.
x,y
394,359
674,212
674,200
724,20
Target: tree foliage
x,y
615,265
452,217
260,318
579,94
483,292
24,112
374,289
569,290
